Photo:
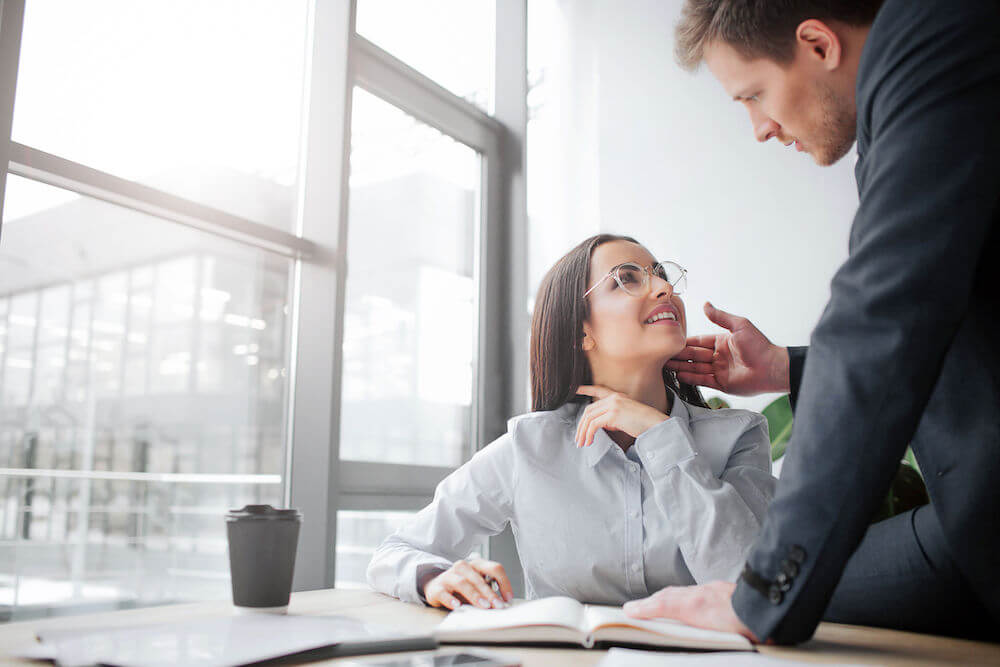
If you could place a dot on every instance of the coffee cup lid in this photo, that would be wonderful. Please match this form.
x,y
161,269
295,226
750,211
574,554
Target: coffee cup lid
x,y
262,512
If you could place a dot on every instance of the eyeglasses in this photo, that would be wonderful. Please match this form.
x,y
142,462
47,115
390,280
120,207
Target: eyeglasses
x,y
634,279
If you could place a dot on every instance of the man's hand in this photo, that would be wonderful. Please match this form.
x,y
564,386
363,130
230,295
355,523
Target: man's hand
x,y
614,411
707,606
741,361
465,582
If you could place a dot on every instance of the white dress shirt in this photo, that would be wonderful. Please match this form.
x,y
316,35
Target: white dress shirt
x,y
598,524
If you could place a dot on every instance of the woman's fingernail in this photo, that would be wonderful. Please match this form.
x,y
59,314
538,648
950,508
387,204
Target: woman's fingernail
x,y
483,603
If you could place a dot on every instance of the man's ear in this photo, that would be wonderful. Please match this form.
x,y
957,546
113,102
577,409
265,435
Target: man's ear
x,y
820,42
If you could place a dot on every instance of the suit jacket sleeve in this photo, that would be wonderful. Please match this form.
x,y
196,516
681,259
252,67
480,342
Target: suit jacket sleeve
x,y
928,110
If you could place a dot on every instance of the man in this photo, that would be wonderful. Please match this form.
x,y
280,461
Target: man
x,y
906,349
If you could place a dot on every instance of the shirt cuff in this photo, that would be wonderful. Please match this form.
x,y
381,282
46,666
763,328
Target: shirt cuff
x,y
426,572
409,587
664,446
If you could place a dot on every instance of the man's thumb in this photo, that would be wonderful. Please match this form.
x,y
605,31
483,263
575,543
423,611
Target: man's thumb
x,y
720,317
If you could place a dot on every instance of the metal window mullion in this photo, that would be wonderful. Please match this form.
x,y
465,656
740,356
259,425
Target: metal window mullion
x,y
506,352
367,502
11,23
318,304
370,477
389,78
62,173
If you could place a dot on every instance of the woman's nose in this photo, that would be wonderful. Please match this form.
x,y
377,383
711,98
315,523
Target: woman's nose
x,y
661,287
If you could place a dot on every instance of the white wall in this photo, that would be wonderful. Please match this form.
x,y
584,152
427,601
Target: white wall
x,y
761,228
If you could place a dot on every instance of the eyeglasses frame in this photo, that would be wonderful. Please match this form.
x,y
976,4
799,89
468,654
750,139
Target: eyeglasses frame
x,y
647,272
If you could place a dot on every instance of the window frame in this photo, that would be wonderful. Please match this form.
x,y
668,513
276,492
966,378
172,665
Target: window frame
x,y
498,272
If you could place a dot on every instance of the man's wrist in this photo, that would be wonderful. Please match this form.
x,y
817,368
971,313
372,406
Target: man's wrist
x,y
780,373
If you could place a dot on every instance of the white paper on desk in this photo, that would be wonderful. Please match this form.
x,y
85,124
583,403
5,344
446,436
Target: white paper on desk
x,y
209,642
623,657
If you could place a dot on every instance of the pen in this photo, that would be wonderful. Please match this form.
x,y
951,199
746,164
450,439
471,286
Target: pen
x,y
496,589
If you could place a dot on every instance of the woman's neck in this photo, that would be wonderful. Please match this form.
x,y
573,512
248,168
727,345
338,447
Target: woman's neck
x,y
645,386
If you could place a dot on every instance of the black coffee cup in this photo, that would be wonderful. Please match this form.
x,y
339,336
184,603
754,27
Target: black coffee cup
x,y
262,542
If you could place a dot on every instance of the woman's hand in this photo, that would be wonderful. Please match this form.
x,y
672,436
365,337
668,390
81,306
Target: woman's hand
x,y
614,412
465,582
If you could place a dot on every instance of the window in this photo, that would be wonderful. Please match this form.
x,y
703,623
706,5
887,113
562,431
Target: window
x,y
410,323
450,41
199,99
144,350
248,270
142,387
428,271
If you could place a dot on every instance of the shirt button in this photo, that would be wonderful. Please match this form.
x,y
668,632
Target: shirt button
x,y
635,567
635,467
635,514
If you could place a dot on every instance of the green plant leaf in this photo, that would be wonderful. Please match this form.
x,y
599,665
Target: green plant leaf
x,y
716,403
779,425
911,459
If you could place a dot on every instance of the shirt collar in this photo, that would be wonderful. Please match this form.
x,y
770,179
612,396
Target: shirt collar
x,y
603,442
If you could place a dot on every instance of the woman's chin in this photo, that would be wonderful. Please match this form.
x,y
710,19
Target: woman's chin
x,y
667,352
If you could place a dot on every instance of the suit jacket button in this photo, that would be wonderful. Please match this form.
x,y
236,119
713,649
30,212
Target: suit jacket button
x,y
775,595
797,554
790,568
784,582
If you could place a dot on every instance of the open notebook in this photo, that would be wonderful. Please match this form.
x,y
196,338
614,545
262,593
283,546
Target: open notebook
x,y
560,620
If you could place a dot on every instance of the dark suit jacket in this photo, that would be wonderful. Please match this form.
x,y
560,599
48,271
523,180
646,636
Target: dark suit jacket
x,y
908,348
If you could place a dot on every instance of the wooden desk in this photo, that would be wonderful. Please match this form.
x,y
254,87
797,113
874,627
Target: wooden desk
x,y
833,642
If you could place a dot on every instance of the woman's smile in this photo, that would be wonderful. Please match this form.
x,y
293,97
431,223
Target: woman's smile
x,y
665,314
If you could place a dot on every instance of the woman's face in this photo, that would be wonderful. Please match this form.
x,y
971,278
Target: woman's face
x,y
619,328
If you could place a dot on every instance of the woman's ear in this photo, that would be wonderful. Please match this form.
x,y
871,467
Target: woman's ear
x,y
587,343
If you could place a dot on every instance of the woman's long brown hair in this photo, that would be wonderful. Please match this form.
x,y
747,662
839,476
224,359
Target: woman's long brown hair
x,y
558,363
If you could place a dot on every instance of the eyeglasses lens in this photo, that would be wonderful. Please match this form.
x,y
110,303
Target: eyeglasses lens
x,y
673,274
633,279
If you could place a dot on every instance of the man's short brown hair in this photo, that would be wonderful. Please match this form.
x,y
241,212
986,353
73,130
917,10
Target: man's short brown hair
x,y
759,28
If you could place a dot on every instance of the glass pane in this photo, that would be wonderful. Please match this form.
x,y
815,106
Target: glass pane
x,y
410,317
450,41
200,98
142,394
358,535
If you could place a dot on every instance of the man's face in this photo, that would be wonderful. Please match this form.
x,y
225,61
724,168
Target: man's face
x,y
796,102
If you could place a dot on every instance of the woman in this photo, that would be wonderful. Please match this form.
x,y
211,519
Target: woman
x,y
620,482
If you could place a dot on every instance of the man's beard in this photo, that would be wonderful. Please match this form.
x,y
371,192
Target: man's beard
x,y
838,127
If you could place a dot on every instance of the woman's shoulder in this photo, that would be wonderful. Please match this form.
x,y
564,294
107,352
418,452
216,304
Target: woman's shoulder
x,y
724,432
542,429
562,416
735,418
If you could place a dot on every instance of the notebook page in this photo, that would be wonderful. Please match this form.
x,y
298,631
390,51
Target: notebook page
x,y
600,616
547,611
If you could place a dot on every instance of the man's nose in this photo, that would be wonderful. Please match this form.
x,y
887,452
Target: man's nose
x,y
763,127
